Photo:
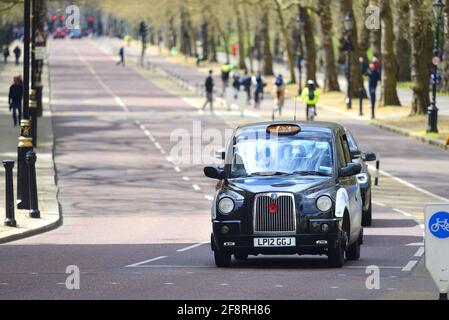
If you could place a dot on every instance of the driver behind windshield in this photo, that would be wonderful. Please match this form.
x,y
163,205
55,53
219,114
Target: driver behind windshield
x,y
284,155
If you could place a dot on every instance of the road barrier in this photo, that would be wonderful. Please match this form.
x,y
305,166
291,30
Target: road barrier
x,y
10,220
34,205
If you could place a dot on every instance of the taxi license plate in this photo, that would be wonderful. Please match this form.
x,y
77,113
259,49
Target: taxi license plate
x,y
274,242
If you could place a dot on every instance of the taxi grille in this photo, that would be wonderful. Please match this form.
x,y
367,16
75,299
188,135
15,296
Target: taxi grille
x,y
283,220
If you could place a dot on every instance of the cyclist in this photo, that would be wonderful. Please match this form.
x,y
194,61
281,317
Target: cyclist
x,y
310,97
225,74
279,84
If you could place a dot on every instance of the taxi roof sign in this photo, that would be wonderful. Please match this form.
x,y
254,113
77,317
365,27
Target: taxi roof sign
x,y
284,129
437,244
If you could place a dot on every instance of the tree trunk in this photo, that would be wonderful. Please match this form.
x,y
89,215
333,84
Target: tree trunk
x,y
356,74
205,38
389,93
365,34
376,36
330,72
287,41
241,36
267,57
309,44
248,39
419,29
402,45
213,46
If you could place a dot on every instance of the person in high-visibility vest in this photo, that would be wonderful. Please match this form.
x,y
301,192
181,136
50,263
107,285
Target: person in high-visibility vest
x,y
310,96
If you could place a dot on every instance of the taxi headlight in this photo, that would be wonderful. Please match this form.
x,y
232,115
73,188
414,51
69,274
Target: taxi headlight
x,y
324,203
226,205
362,178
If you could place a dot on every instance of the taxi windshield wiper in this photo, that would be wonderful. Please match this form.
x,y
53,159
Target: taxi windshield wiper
x,y
312,173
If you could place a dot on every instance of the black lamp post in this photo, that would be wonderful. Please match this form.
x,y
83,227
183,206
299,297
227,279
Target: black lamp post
x,y
432,111
349,26
299,54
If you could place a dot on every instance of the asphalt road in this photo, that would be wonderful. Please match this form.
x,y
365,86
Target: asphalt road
x,y
137,225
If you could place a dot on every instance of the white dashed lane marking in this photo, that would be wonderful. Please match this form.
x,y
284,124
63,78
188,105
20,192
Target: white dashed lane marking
x,y
137,264
193,246
409,267
420,252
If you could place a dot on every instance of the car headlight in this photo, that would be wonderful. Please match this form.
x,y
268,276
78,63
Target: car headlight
x,y
226,205
324,203
362,178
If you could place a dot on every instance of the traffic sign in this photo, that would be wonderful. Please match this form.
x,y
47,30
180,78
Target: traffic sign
x,y
437,244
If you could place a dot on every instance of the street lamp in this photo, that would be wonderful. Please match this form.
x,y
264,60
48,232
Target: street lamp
x,y
349,26
299,54
432,111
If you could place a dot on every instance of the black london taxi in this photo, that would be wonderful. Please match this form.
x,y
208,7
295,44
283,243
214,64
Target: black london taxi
x,y
287,188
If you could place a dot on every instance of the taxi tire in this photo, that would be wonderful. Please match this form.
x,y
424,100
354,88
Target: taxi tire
x,y
336,256
222,259
367,216
353,252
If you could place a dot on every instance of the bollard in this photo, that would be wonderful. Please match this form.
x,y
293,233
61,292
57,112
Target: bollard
x,y
376,180
10,220
25,144
34,205
361,92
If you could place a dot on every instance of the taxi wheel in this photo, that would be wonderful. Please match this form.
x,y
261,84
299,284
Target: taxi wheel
x,y
336,256
222,259
367,216
353,252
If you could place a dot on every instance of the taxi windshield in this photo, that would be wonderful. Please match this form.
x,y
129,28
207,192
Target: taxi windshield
x,y
282,155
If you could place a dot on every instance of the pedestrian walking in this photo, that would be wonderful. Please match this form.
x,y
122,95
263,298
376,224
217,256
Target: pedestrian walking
x,y
245,81
17,52
5,54
121,54
209,85
236,83
15,100
259,85
373,80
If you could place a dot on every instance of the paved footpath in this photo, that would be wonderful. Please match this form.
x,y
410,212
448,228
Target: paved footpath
x,y
137,224
45,171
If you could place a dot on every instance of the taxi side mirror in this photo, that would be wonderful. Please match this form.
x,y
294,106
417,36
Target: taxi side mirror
x,y
350,170
369,156
214,172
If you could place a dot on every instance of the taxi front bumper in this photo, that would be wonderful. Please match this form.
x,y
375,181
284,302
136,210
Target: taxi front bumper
x,y
313,241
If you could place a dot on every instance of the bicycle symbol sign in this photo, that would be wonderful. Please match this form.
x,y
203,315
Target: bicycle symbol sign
x,y
439,225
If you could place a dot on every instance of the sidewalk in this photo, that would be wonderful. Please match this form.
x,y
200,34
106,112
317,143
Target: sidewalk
x,y
47,189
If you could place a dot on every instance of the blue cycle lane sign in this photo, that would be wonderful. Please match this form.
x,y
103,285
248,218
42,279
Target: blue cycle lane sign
x,y
437,244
